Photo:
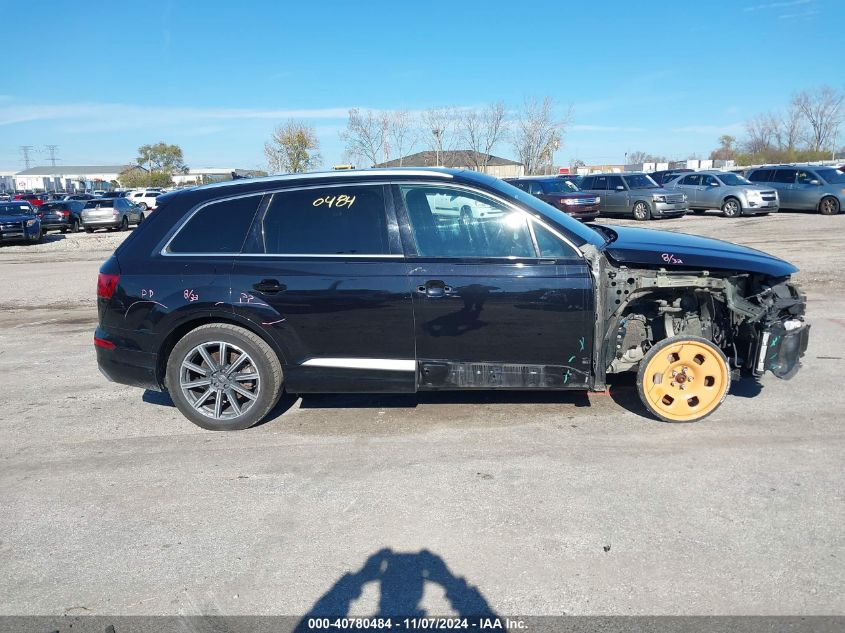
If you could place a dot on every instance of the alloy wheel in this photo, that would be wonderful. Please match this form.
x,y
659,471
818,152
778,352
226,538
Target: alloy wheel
x,y
219,380
829,206
731,208
641,211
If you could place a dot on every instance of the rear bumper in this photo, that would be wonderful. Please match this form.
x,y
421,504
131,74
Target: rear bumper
x,y
56,224
126,366
101,222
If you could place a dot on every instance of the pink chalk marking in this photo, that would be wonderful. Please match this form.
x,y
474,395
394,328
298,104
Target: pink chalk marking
x,y
273,322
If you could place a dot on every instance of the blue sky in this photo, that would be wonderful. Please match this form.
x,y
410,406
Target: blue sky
x,y
98,79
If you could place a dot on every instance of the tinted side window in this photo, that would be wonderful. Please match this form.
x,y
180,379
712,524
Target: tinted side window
x,y
450,222
804,177
761,175
600,183
219,227
327,221
614,181
786,176
687,180
588,182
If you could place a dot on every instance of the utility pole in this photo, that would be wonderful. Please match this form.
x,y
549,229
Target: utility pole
x,y
27,159
52,151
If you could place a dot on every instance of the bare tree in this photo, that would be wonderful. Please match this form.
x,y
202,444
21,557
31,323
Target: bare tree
x,y
439,132
634,158
789,128
822,108
726,150
760,134
293,148
365,136
480,130
400,135
538,133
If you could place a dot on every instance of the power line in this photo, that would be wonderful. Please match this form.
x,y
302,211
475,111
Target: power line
x,y
27,159
52,150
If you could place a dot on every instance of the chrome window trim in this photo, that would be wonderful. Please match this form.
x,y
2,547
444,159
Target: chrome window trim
x,y
350,173
202,205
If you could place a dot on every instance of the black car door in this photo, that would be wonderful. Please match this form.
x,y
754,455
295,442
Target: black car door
x,y
499,299
323,274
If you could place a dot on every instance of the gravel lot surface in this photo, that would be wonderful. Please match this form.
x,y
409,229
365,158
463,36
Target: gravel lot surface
x,y
112,503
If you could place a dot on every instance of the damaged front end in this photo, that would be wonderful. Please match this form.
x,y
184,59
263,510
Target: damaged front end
x,y
756,320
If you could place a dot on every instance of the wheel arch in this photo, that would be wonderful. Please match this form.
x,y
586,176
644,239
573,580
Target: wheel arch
x,y
185,327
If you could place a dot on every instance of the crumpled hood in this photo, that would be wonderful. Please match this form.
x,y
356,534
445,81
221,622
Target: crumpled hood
x,y
635,246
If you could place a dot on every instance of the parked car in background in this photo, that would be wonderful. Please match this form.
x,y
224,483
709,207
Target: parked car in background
x,y
79,196
110,213
665,175
804,187
731,193
634,194
64,216
562,194
145,198
34,199
353,281
19,222
575,179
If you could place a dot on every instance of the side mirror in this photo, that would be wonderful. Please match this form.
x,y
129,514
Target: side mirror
x,y
620,188
815,182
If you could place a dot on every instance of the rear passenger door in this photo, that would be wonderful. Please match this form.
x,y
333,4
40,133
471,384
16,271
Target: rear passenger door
x,y
689,185
323,275
784,181
805,194
597,185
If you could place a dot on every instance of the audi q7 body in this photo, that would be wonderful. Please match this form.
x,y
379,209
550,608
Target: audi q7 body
x,y
804,187
731,193
357,281
634,195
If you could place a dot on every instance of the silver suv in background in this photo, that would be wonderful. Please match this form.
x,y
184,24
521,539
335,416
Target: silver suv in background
x,y
805,187
731,193
634,194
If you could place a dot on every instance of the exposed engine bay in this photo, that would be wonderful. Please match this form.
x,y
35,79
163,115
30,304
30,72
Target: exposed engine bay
x,y
757,321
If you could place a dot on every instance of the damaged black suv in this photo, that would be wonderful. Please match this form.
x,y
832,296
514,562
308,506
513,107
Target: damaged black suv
x,y
409,279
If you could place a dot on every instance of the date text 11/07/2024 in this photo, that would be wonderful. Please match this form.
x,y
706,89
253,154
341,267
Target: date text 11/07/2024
x,y
491,623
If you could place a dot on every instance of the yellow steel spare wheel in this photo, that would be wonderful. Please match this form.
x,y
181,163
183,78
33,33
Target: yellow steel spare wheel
x,y
683,379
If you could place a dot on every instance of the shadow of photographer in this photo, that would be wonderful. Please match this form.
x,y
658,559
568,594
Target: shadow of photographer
x,y
401,579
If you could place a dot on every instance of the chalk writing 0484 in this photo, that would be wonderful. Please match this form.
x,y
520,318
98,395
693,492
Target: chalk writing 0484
x,y
336,201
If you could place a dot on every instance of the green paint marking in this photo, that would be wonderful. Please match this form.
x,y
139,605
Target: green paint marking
x,y
566,377
581,342
571,358
774,341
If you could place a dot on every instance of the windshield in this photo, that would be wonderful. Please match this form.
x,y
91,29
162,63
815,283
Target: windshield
x,y
732,179
558,185
15,209
832,176
640,181
579,232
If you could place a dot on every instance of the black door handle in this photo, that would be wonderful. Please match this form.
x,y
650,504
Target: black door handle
x,y
434,289
269,286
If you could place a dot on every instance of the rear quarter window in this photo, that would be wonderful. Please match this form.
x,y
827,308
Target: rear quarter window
x,y
218,227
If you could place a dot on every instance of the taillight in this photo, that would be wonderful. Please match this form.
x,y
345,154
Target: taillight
x,y
65,214
101,342
106,285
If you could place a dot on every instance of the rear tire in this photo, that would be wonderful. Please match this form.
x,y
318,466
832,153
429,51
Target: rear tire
x,y
124,224
829,206
143,206
202,391
641,211
683,379
88,230
698,211
141,219
731,208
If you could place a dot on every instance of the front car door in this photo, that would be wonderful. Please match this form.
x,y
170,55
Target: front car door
x,y
807,190
323,274
499,300
617,195
709,194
